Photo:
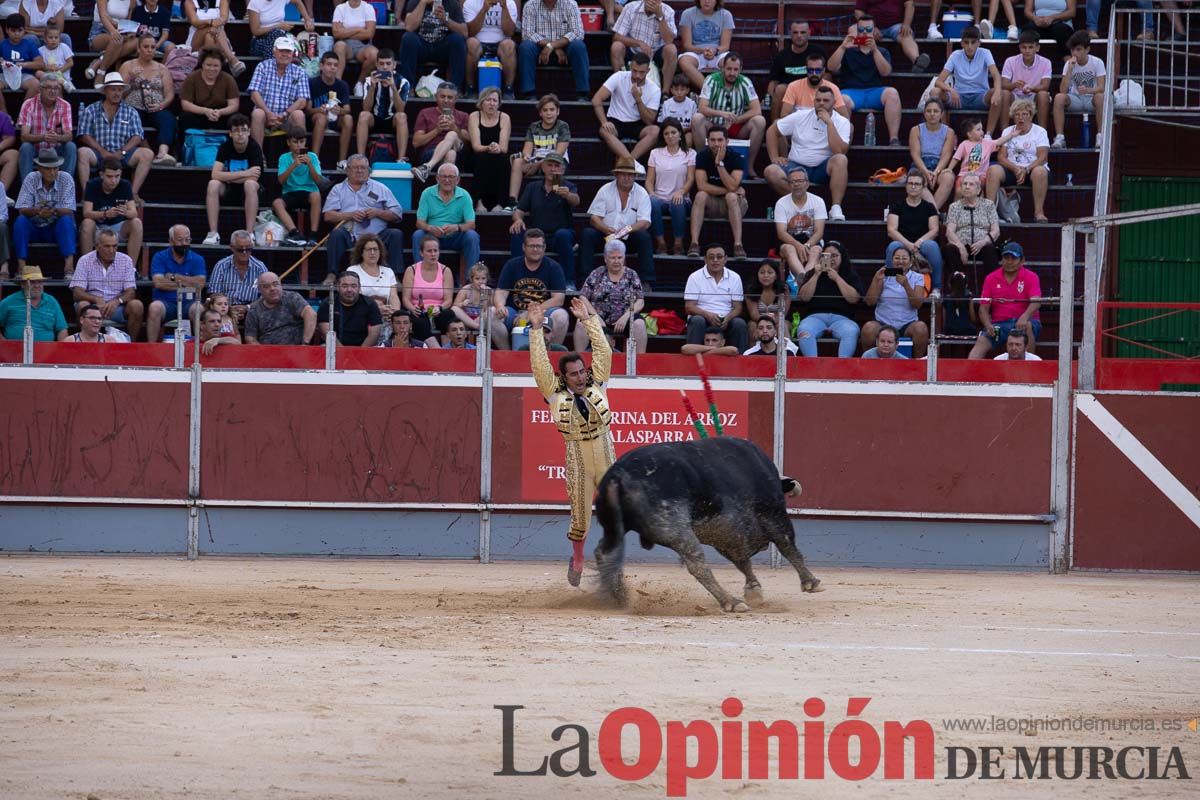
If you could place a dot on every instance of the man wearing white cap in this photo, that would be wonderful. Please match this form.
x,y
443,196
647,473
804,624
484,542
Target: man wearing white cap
x,y
113,129
278,90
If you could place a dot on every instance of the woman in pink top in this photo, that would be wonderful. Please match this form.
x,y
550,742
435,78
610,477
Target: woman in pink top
x,y
427,291
670,176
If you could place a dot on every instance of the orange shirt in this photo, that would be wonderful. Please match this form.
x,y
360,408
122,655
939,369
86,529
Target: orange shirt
x,y
801,93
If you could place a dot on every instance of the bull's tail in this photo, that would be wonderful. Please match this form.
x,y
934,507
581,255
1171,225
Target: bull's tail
x,y
791,486
610,553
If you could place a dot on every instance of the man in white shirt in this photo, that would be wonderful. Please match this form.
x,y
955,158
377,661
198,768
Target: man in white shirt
x,y
820,140
491,25
714,298
631,112
620,210
1015,348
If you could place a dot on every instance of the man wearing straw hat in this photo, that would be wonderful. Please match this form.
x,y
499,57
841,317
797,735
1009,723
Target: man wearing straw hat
x,y
45,314
578,403
620,210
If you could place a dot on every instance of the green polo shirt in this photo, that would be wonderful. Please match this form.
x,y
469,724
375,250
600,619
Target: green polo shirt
x,y
47,318
433,211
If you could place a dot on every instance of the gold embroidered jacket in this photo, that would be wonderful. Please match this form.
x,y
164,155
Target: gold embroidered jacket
x,y
571,424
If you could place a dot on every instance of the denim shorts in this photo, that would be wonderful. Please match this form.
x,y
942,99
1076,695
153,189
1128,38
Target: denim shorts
x,y
866,99
972,101
1005,327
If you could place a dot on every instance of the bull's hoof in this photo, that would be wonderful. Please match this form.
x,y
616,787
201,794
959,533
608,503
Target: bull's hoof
x,y
754,595
812,586
736,606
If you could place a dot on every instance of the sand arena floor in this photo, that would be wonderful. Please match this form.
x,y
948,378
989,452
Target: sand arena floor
x,y
272,678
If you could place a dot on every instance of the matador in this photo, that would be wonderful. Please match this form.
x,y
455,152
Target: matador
x,y
579,407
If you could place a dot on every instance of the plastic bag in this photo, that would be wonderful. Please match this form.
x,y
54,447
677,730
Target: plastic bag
x,y
1129,95
12,76
267,230
116,335
427,85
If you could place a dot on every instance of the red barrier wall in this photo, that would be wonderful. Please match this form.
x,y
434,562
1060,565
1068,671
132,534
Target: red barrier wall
x,y
1123,520
64,438
882,452
278,441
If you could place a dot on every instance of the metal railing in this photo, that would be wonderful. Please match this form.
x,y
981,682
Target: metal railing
x,y
1156,47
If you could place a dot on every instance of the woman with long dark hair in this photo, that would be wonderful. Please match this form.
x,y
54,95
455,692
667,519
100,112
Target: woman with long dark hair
x,y
670,176
772,296
830,289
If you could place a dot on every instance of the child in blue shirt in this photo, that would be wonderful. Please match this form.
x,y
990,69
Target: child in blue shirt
x,y
300,180
16,49
972,67
154,17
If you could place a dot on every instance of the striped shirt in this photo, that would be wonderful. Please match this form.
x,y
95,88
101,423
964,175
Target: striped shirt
x,y
111,134
635,23
539,23
735,99
278,92
34,194
94,278
242,291
34,120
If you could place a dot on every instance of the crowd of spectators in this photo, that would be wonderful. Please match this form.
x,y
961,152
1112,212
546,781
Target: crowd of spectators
x,y
683,121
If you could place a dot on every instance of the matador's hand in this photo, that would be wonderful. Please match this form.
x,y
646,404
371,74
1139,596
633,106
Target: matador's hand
x,y
581,308
536,314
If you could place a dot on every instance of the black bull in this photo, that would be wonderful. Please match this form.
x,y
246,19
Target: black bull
x,y
721,492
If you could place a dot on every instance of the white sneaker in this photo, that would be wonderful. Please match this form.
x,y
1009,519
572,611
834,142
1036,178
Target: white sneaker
x,y
1014,33
985,29
637,165
358,89
341,165
933,32
212,238
1059,141
835,213
1099,140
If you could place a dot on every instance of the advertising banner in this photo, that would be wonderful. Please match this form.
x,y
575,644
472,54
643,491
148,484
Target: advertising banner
x,y
643,416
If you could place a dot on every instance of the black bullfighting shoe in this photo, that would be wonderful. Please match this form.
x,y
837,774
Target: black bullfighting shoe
x,y
573,575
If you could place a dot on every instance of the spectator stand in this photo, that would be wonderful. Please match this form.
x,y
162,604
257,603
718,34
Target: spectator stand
x,y
761,25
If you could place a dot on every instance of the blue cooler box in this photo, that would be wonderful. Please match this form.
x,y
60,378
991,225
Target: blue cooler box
x,y
489,73
955,22
398,177
741,146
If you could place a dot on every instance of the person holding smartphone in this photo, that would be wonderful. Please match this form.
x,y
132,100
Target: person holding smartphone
x,y
897,292
830,289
